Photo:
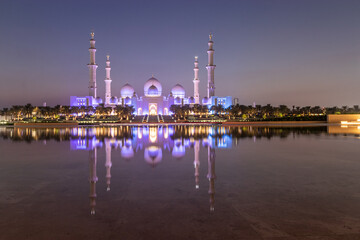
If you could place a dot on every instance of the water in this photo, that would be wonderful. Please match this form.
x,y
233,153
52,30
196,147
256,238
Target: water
x,y
180,182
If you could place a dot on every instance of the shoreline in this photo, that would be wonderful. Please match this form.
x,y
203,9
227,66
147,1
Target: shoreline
x,y
227,124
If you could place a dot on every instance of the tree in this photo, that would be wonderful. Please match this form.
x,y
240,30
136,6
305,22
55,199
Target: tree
x,y
16,111
28,109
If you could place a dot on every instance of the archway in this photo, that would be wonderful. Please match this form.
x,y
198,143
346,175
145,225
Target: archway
x,y
152,109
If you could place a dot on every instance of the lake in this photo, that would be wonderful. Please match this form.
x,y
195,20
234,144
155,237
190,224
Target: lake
x,y
180,182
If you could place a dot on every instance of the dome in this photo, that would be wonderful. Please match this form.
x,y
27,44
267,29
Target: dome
x,y
177,100
127,91
98,100
127,101
149,83
178,91
191,100
205,100
113,100
153,91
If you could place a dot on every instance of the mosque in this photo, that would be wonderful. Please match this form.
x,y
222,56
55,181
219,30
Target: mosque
x,y
154,101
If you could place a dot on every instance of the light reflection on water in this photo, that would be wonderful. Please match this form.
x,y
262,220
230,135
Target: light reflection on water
x,y
155,144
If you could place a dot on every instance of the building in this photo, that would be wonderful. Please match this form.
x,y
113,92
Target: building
x,y
154,101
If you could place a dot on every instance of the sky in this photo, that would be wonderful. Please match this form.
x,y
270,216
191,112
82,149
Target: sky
x,y
266,51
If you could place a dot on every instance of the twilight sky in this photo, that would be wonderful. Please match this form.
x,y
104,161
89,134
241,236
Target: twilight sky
x,y
304,52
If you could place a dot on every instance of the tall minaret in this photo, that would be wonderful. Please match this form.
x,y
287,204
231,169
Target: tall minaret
x,y
92,179
108,163
107,81
210,69
211,177
196,81
92,67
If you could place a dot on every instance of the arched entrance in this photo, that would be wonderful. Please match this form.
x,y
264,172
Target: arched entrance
x,y
153,109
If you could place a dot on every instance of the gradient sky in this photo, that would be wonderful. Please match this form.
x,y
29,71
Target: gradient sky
x,y
272,51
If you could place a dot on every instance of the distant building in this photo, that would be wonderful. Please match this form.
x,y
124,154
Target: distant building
x,y
154,101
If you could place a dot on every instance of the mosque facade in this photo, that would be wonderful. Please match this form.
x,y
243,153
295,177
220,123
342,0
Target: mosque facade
x,y
154,101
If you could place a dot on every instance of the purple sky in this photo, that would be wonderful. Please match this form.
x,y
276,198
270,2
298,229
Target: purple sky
x,y
279,52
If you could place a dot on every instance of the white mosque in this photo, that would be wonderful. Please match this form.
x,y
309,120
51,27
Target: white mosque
x,y
154,101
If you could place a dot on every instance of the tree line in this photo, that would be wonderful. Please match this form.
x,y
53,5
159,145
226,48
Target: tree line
x,y
28,111
244,112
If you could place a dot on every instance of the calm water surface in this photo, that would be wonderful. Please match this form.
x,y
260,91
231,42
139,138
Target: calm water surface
x,y
180,182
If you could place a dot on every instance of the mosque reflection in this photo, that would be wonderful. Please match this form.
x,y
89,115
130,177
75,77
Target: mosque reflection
x,y
153,140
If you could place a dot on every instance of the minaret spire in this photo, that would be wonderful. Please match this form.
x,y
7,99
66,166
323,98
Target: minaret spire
x,y
92,67
210,68
107,81
196,81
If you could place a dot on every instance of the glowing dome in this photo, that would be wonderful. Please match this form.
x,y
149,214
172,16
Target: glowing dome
x,y
178,91
113,100
128,101
149,83
127,91
191,100
153,91
99,100
177,100
205,100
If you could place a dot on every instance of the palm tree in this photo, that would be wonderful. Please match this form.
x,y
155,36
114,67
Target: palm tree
x,y
16,111
28,109
65,110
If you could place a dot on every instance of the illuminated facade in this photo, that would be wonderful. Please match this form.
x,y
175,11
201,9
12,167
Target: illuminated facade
x,y
154,101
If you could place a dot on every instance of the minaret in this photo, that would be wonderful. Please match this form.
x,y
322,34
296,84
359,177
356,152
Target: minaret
x,y
107,81
92,67
210,69
92,179
196,81
196,163
108,163
211,177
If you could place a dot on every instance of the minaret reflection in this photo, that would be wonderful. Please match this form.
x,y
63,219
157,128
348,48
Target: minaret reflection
x,y
211,176
196,162
108,163
92,179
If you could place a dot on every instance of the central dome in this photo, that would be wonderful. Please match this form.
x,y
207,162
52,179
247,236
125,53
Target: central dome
x,y
153,91
152,82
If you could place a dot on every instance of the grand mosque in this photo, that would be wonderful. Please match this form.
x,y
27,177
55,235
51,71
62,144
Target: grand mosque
x,y
154,101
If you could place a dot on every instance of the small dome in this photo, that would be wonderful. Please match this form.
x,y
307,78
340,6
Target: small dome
x,y
149,83
178,91
205,100
153,91
113,100
127,91
191,100
127,100
99,100
177,100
